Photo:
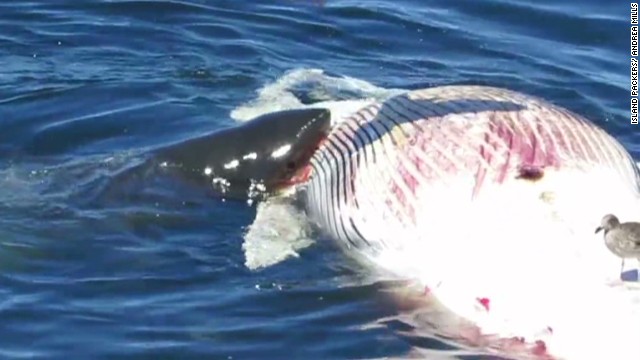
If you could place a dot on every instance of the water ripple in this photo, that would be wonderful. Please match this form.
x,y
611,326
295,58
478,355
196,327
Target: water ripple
x,y
92,266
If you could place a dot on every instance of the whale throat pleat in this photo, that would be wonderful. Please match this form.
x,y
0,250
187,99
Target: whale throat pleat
x,y
368,179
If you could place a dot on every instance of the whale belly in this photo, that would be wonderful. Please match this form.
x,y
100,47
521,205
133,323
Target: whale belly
x,y
485,195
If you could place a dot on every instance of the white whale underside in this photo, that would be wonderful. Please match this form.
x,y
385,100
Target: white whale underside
x,y
538,273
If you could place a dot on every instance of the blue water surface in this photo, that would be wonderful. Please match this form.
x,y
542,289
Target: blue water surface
x,y
92,270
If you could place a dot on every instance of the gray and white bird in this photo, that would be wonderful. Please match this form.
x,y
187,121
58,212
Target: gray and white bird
x,y
623,239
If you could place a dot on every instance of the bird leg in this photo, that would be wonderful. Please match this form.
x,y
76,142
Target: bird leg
x,y
622,268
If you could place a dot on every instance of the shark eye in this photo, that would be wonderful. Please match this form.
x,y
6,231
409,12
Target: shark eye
x,y
291,165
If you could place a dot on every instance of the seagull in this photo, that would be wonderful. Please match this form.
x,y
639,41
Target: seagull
x,y
622,239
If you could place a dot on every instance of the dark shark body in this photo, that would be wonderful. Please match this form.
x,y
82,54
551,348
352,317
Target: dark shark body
x,y
260,156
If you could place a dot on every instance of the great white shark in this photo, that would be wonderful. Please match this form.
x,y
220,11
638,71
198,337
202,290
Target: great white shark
x,y
487,196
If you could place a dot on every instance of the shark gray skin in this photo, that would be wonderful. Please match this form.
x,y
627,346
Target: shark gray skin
x,y
253,160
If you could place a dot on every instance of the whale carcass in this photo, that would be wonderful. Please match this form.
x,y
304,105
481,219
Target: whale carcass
x,y
487,196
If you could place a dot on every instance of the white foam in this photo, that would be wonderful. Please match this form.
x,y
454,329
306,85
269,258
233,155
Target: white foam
x,y
278,233
278,95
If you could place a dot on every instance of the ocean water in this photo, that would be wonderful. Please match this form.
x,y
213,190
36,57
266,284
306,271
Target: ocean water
x,y
93,268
